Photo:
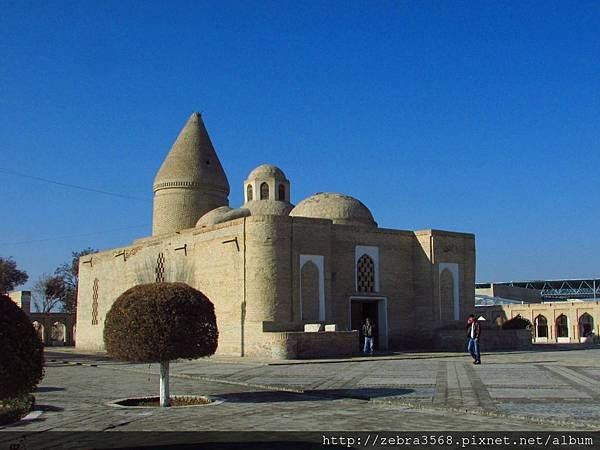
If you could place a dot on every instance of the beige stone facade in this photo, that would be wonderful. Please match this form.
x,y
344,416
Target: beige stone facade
x,y
271,268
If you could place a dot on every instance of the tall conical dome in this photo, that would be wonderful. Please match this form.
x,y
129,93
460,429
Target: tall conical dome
x,y
190,182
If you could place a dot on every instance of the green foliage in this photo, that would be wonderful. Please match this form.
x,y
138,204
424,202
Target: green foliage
x,y
517,323
10,276
15,409
21,351
161,322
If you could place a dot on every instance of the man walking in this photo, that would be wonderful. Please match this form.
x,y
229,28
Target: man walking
x,y
368,331
473,333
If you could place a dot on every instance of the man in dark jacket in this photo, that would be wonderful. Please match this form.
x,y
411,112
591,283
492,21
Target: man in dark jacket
x,y
473,333
368,331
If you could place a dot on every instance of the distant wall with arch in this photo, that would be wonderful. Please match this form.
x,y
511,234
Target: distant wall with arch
x,y
55,329
555,322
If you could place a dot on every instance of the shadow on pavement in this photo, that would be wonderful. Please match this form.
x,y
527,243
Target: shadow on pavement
x,y
49,389
20,423
311,395
46,408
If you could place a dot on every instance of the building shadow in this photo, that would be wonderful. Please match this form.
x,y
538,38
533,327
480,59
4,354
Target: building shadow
x,y
312,395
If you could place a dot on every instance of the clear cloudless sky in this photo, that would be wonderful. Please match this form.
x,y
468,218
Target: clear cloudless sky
x,y
481,117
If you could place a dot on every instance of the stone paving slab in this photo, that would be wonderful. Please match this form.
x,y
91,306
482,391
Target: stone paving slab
x,y
547,393
504,375
593,373
372,394
279,381
399,381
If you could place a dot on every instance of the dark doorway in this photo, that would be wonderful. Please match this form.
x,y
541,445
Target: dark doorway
x,y
359,311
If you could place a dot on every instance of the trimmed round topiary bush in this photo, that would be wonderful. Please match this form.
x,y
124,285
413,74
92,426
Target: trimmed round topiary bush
x,y
160,322
21,352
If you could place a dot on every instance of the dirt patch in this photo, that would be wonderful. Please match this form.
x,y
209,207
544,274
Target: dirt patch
x,y
154,402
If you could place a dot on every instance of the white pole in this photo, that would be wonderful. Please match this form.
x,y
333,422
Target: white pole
x,y
164,384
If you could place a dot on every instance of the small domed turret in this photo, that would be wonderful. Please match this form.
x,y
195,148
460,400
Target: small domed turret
x,y
267,182
267,192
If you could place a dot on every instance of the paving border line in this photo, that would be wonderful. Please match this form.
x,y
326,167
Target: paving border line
x,y
356,359
409,355
486,412
193,377
392,402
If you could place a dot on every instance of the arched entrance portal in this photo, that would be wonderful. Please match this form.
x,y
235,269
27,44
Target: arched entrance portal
x,y
541,329
39,329
586,327
562,328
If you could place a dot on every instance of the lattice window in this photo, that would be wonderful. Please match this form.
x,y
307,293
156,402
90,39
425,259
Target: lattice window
x,y
95,301
249,192
365,274
281,194
264,191
160,268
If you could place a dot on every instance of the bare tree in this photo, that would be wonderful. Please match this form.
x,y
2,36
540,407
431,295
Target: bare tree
x,y
49,293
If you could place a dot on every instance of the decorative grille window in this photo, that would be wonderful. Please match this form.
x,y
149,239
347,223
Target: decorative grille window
x,y
365,274
249,192
160,268
95,301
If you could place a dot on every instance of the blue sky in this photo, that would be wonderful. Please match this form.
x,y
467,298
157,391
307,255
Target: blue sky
x,y
481,117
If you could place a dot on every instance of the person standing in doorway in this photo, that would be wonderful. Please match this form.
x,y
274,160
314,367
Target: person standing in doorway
x,y
368,331
473,333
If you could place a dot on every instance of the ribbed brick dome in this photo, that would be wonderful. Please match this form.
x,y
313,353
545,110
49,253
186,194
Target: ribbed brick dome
x,y
267,171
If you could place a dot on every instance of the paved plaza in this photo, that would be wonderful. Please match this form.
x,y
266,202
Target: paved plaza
x,y
518,391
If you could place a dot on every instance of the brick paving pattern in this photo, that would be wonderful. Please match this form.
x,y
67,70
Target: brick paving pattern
x,y
509,391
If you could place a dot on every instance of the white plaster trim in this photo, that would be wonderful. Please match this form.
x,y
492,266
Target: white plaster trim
x,y
453,268
382,327
318,260
373,252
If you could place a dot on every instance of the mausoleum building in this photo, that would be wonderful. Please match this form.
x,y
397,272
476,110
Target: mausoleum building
x,y
274,270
